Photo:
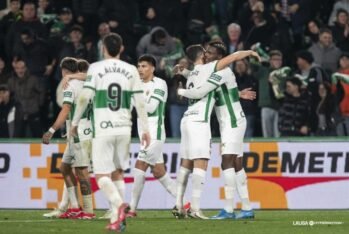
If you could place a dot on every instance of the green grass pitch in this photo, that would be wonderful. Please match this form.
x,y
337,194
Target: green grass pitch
x,y
162,222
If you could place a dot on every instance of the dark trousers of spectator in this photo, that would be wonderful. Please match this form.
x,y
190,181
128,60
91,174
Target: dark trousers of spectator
x,y
176,114
30,121
250,125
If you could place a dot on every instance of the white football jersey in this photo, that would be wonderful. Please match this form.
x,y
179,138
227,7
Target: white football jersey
x,y
155,89
70,96
200,109
227,107
114,83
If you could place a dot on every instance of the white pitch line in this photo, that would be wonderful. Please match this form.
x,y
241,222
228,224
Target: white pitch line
x,y
25,221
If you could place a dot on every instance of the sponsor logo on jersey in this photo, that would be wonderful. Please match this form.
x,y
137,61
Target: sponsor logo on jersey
x,y
68,94
159,92
215,77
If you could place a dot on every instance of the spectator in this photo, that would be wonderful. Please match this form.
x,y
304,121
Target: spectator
x,y
341,89
28,20
245,15
165,13
340,30
294,111
311,35
260,32
103,30
29,97
45,12
36,55
7,113
341,4
324,112
312,76
266,99
234,42
325,53
86,14
245,80
177,104
59,31
157,43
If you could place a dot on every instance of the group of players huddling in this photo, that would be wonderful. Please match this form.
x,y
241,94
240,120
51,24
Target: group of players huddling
x,y
97,107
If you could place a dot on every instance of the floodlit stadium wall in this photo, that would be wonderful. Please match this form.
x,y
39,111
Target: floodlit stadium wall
x,y
281,175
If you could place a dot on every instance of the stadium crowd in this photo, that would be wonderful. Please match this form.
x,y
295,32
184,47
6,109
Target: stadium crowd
x,y
302,84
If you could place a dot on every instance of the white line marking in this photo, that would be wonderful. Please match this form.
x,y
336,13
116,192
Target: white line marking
x,y
25,221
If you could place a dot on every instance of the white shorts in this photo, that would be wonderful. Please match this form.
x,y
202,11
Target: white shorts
x,y
78,154
110,153
195,140
232,139
153,154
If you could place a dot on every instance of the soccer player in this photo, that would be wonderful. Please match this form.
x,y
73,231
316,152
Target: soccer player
x,y
195,129
77,152
232,124
155,95
110,84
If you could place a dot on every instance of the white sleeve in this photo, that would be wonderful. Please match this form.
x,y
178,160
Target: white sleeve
x,y
83,100
151,105
199,92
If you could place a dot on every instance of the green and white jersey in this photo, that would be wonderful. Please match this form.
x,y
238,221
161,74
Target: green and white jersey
x,y
155,94
70,96
114,82
200,109
228,108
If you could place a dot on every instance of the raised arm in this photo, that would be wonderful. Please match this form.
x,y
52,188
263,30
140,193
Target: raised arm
x,y
227,60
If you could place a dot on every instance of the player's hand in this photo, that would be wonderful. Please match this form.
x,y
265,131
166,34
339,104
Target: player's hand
x,y
65,81
177,69
74,131
248,94
46,138
256,55
145,141
180,86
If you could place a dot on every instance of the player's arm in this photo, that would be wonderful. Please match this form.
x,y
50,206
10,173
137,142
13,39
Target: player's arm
x,y
199,92
151,105
78,76
227,60
83,100
61,118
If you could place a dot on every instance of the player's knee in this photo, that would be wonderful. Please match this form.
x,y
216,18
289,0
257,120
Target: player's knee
x,y
158,172
65,169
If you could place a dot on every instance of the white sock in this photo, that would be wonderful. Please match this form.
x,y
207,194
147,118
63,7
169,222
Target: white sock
x,y
198,185
73,197
182,180
108,188
229,189
120,185
87,203
138,184
168,184
63,205
241,184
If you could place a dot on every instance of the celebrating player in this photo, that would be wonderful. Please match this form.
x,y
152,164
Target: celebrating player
x,y
111,83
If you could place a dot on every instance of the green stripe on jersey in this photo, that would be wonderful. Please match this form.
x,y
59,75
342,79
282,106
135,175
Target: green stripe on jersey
x,y
233,94
102,100
160,119
209,99
212,82
228,103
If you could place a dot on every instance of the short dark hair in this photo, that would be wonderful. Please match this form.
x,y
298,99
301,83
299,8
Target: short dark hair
x,y
341,10
194,51
158,35
112,43
219,46
148,58
275,53
70,64
295,80
305,55
325,30
83,65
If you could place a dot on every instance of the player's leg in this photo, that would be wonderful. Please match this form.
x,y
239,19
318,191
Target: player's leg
x,y
198,181
138,184
228,169
164,178
117,177
185,169
103,151
82,151
242,188
62,207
